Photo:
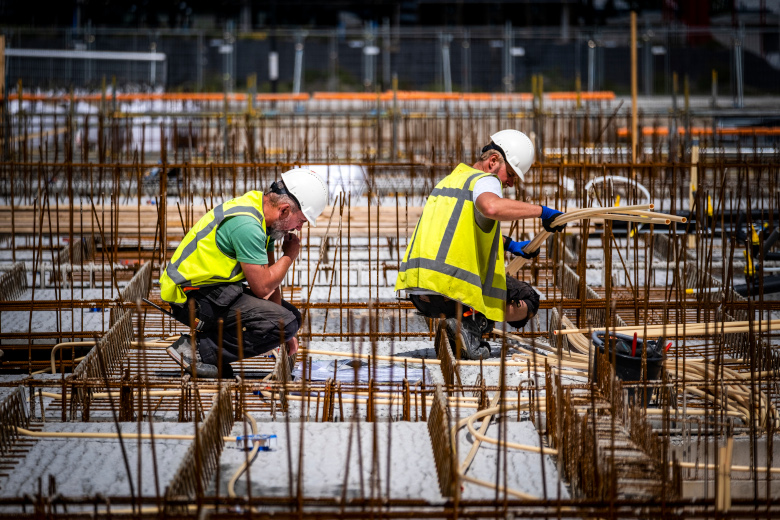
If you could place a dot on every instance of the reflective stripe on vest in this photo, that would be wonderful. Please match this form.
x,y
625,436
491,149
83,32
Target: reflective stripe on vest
x,y
181,272
486,297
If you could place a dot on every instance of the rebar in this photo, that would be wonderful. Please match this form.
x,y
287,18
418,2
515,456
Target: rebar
x,y
202,457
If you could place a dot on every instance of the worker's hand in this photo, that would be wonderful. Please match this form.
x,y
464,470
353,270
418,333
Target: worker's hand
x,y
516,248
292,346
548,215
291,246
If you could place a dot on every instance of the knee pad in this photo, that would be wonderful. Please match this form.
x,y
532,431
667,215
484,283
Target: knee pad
x,y
522,291
519,324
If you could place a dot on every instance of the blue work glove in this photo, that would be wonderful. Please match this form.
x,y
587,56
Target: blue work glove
x,y
516,248
548,215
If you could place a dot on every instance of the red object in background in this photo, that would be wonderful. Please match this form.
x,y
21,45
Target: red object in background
x,y
633,346
696,15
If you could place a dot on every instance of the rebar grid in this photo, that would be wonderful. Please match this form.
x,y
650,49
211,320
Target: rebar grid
x,y
13,415
137,288
13,282
599,454
572,288
202,458
443,449
449,368
103,359
81,250
104,186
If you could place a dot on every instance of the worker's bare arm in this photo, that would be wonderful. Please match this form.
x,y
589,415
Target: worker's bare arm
x,y
496,208
264,279
276,294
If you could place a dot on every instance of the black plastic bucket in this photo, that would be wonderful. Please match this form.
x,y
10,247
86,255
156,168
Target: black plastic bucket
x,y
628,367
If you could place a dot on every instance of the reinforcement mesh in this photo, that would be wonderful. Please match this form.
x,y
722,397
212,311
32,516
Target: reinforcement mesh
x,y
13,414
202,457
13,283
439,430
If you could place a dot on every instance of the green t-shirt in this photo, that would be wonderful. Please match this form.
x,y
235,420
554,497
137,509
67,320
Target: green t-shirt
x,y
242,237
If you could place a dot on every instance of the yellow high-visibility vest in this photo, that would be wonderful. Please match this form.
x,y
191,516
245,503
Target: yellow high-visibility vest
x,y
451,255
198,261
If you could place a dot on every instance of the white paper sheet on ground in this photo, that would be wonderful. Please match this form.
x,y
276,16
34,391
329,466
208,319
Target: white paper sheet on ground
x,y
344,371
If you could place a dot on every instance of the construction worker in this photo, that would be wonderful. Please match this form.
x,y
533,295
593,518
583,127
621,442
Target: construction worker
x,y
455,257
235,242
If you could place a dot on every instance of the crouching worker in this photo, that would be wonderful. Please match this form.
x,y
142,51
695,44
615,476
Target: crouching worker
x,y
455,257
232,243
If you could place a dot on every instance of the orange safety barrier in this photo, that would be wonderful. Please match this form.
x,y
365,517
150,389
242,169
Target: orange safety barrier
x,y
646,130
411,95
522,96
350,96
282,97
585,96
758,130
415,95
698,130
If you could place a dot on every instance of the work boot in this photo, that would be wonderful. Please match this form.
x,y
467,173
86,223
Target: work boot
x,y
470,338
181,352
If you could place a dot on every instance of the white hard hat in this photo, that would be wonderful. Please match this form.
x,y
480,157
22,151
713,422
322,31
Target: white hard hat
x,y
309,189
518,150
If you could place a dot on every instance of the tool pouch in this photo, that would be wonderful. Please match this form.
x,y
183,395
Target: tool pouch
x,y
211,303
214,303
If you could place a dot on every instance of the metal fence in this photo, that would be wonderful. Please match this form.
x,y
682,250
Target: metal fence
x,y
481,59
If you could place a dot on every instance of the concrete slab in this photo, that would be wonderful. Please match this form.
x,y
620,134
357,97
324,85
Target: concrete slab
x,y
526,471
335,459
95,319
90,466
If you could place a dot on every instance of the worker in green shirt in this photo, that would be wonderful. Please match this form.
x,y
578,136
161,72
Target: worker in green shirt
x,y
233,243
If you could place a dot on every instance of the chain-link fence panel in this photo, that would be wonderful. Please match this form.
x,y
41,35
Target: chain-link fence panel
x,y
718,61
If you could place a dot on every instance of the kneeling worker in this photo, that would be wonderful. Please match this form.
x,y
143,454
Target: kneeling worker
x,y
235,242
456,253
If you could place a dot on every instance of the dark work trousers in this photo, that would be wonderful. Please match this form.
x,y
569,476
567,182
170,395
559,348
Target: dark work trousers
x,y
438,306
262,322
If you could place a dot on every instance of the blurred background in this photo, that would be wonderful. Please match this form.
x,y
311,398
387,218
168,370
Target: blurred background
x,y
725,47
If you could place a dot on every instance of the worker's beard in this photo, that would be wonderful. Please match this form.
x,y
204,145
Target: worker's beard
x,y
276,234
281,227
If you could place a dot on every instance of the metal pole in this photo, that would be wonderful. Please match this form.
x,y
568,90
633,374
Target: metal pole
x,y
648,62
466,61
152,72
673,132
508,72
333,62
88,38
739,102
2,66
634,123
4,121
394,152
227,57
199,58
368,57
445,62
565,14
386,75
298,63
273,55
591,65
714,101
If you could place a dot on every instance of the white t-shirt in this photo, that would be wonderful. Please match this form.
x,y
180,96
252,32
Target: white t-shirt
x,y
489,184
